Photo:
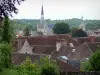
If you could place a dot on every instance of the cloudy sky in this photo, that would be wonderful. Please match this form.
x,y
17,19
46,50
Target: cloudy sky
x,y
59,9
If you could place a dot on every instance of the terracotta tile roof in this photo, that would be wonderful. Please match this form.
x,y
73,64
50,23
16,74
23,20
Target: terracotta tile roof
x,y
86,49
44,49
44,40
17,44
81,52
18,58
94,46
47,40
81,40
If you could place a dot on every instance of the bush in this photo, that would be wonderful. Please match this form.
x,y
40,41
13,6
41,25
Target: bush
x,y
93,64
95,61
5,55
85,66
44,67
0,68
28,68
49,67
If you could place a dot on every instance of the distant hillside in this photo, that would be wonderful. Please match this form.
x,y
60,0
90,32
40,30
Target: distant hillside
x,y
22,23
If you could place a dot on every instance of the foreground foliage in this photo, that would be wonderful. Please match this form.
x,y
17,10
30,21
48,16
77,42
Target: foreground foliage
x,y
95,61
44,67
93,64
7,7
49,67
5,55
8,72
6,36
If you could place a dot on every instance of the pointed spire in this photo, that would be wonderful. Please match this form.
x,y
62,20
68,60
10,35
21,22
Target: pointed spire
x,y
42,11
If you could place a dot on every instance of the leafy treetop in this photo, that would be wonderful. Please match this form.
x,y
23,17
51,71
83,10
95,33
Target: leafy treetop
x,y
61,28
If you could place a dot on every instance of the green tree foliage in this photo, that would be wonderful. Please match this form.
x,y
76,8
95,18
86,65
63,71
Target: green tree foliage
x,y
93,24
28,68
85,66
7,7
6,35
5,55
93,64
44,67
27,31
61,28
49,67
22,23
73,30
95,61
79,33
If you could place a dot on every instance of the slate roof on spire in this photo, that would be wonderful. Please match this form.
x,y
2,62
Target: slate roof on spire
x,y
42,12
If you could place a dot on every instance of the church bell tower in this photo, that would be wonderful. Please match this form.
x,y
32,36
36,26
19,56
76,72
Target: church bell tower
x,y
42,27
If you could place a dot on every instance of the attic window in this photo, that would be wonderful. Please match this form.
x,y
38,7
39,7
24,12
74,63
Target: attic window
x,y
71,44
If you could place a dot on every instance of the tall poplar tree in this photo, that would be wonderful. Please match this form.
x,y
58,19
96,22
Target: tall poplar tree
x,y
6,36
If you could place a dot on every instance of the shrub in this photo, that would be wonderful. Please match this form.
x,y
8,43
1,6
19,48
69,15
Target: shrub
x,y
95,61
49,67
93,64
5,55
28,68
44,67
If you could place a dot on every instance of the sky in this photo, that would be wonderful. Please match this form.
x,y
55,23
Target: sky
x,y
59,9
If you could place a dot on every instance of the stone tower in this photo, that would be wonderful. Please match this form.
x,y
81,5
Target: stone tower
x,y
42,27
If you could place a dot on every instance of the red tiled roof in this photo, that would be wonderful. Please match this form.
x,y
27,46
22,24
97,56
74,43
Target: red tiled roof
x,y
43,40
42,49
18,58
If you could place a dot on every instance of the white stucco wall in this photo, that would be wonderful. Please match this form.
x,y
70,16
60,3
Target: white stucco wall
x,y
26,48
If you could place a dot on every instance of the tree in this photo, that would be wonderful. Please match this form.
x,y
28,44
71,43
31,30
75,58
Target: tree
x,y
5,55
48,67
61,28
73,30
79,33
6,36
28,68
95,61
93,64
44,66
93,25
27,31
7,7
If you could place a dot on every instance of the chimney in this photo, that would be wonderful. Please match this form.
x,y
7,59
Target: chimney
x,y
58,45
